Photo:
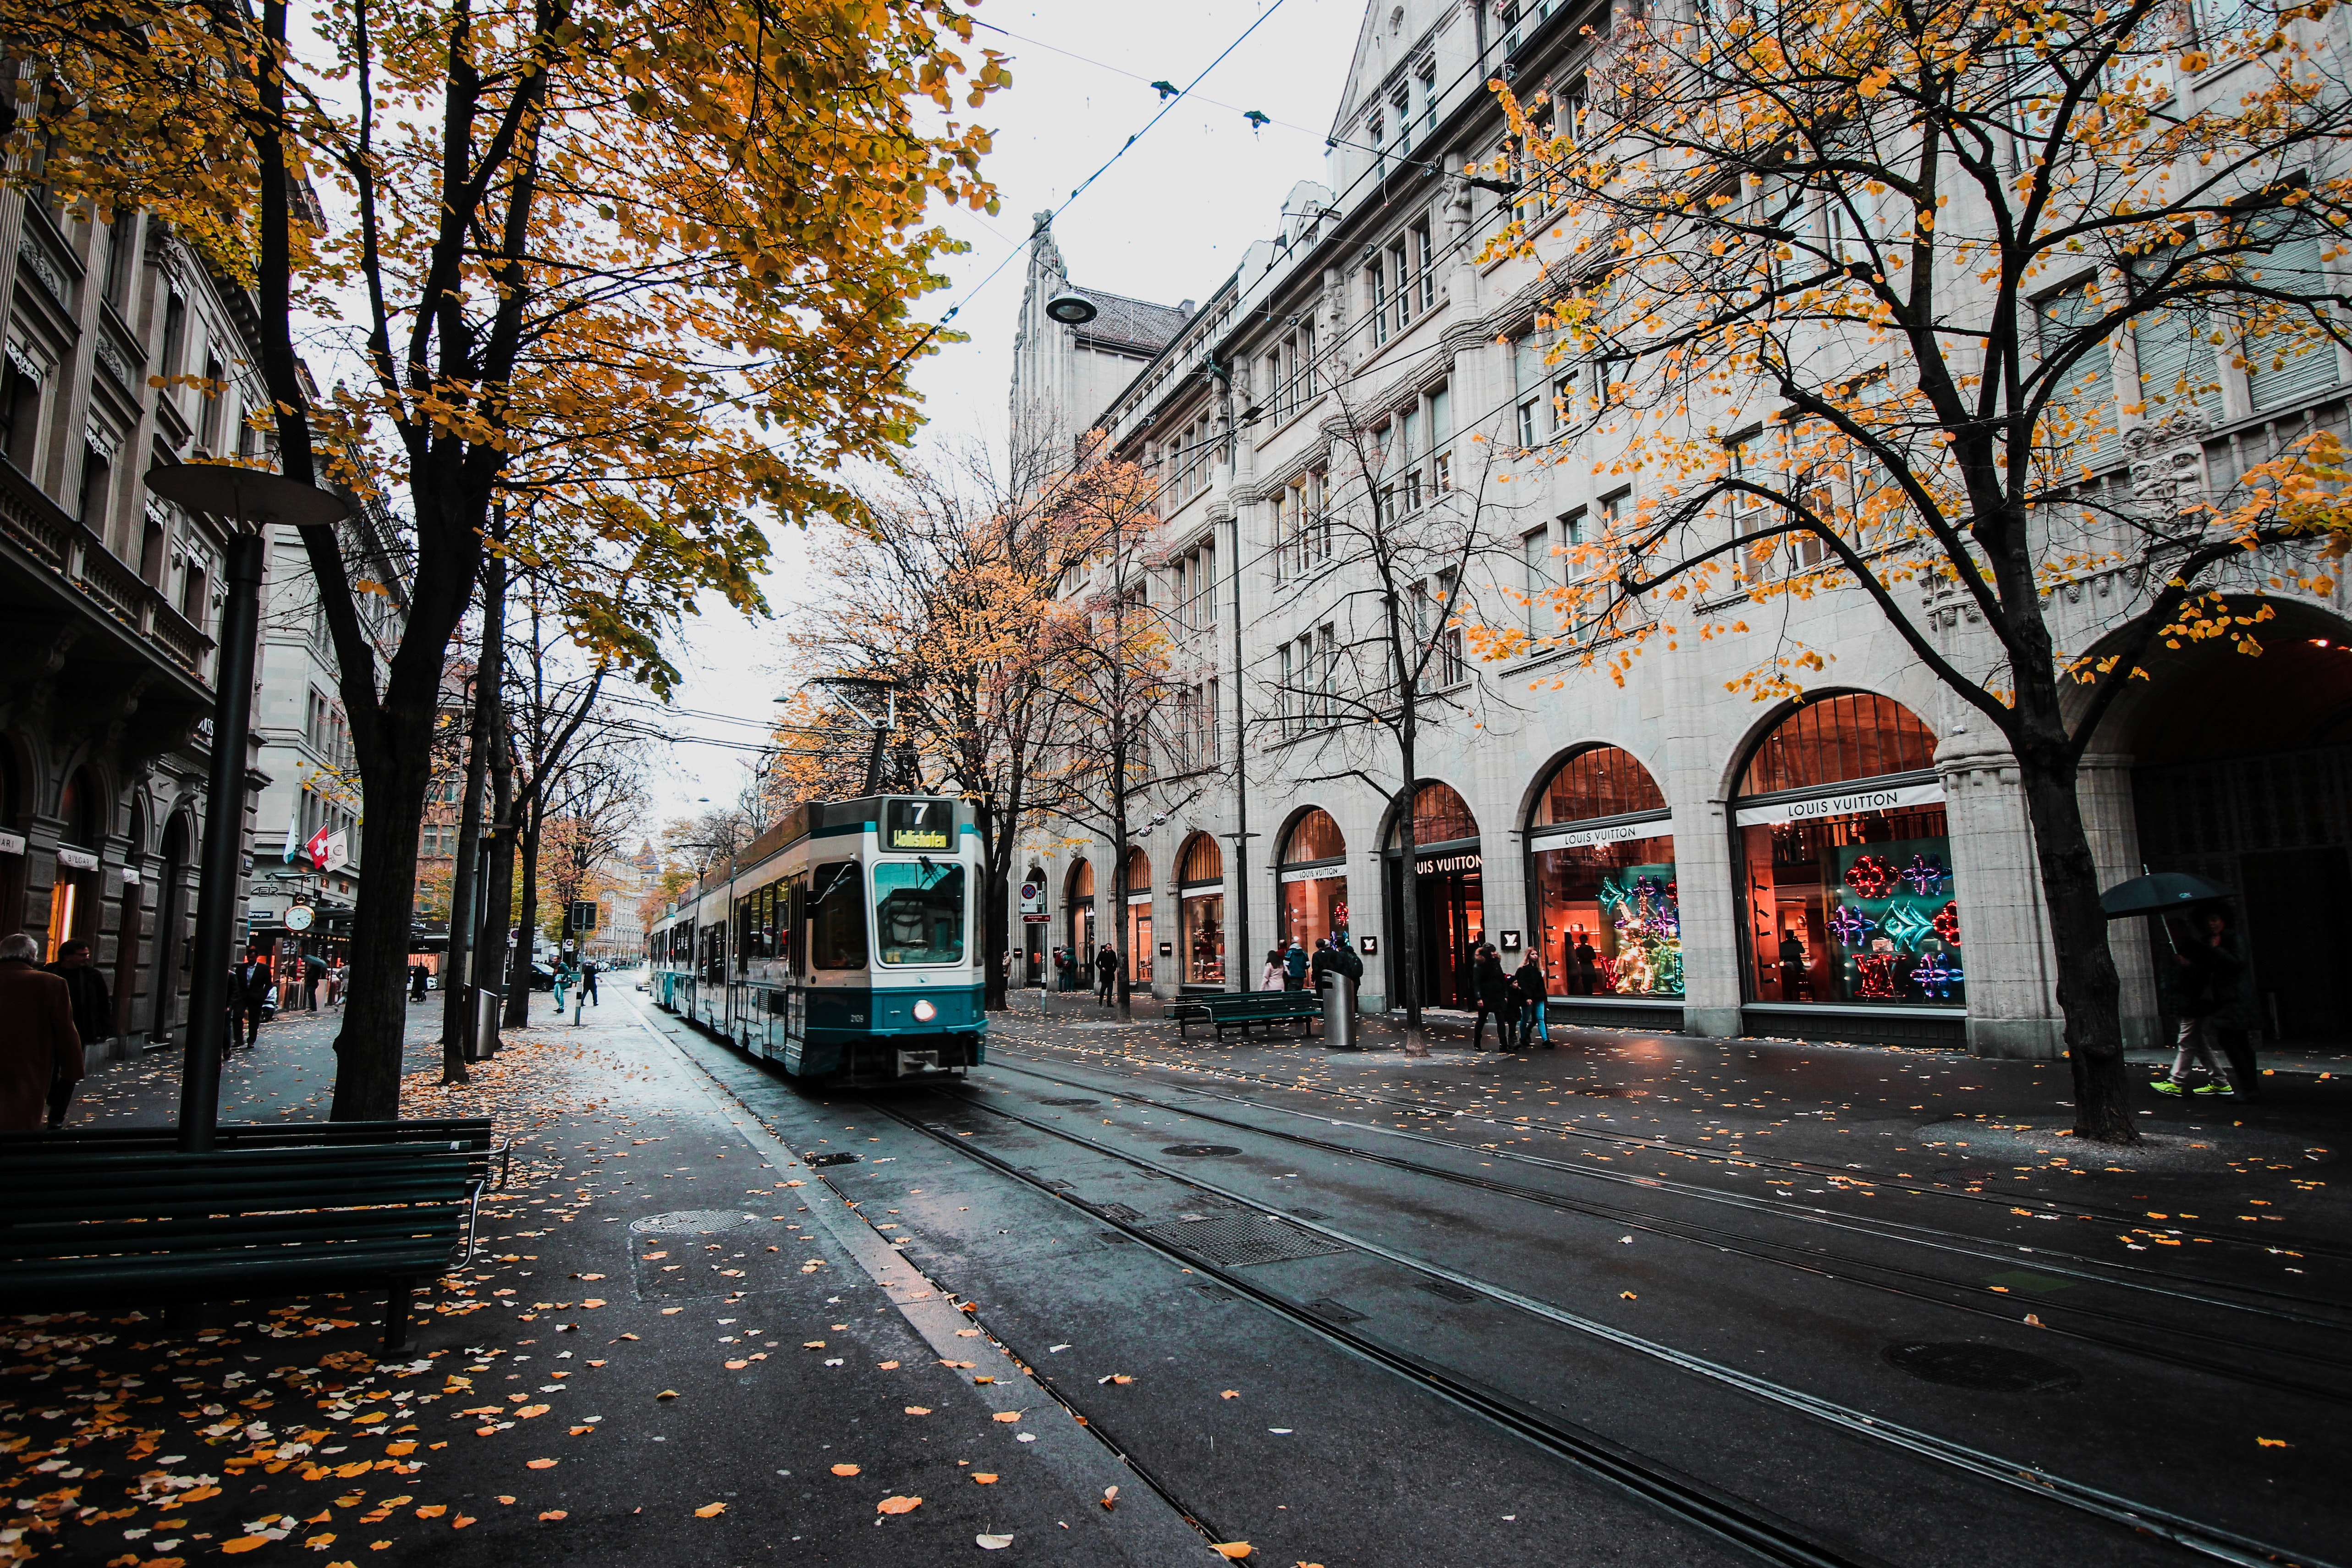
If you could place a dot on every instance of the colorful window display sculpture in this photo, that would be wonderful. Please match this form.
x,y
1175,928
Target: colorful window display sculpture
x,y
1647,915
1898,893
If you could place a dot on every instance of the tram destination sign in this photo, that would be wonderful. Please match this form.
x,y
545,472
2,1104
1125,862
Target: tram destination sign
x,y
1847,803
919,825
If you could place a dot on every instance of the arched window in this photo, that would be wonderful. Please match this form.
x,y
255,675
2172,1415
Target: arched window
x,y
1082,880
1607,906
1859,735
1139,914
1314,837
1439,815
1200,882
1139,870
1080,910
1313,881
1849,892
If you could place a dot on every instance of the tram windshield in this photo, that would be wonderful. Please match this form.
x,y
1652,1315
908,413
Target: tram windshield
x,y
918,907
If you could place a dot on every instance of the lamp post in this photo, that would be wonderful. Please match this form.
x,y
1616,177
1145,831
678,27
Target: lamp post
x,y
242,501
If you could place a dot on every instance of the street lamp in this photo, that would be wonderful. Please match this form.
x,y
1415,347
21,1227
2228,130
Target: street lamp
x,y
242,502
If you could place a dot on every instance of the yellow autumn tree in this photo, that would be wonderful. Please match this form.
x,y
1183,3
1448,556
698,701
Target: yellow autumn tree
x,y
1924,310
643,267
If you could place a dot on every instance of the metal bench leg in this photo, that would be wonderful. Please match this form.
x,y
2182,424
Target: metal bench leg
x,y
395,1316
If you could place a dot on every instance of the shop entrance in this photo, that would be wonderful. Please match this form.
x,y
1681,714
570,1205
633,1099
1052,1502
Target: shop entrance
x,y
2216,795
1449,896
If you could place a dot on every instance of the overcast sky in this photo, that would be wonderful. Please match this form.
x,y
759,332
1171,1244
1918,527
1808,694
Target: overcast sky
x,y
1169,222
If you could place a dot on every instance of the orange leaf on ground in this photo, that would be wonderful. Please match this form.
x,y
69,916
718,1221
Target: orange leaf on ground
x,y
983,1478
666,1394
710,1510
918,1410
543,1464
1008,1415
578,1431
245,1543
504,1498
198,1494
2271,1442
898,1505
591,1301
555,1513
400,1450
844,1469
1231,1394
672,1311
433,1511
992,1542
887,1365
737,1366
461,1522
1234,1549
528,1411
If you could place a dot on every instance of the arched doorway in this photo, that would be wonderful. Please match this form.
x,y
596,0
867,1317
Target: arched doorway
x,y
1449,883
1080,907
1600,880
170,927
1846,888
128,944
1033,924
2242,774
1139,914
74,896
1311,880
1201,904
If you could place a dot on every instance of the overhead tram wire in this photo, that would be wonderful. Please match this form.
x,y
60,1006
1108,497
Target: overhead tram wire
x,y
1063,206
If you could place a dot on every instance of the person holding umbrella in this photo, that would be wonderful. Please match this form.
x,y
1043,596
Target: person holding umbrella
x,y
2201,986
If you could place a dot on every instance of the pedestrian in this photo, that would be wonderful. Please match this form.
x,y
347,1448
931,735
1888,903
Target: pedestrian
x,y
418,976
567,974
337,978
1106,973
1529,984
40,1051
2201,982
93,1009
314,981
1494,989
1588,967
1792,966
249,994
1275,976
588,983
2234,1026
1294,967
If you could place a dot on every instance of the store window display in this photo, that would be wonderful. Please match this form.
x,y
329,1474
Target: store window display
x,y
1200,890
1139,915
1601,864
1848,863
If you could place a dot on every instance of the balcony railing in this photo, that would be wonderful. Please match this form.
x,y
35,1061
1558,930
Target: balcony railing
x,y
79,558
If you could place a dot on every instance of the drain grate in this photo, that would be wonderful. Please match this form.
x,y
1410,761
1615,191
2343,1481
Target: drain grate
x,y
1200,1148
1993,1369
1118,1211
689,1221
1448,1289
1334,1312
1236,1241
1086,1102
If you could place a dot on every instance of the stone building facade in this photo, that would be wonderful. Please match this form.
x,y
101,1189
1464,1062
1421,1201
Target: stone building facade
x,y
1857,867
111,597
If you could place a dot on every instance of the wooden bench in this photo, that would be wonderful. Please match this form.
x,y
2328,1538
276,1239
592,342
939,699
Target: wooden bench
x,y
471,1135
99,1219
1244,1010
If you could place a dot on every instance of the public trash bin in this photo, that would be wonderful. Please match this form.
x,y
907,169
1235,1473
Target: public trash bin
x,y
1339,1011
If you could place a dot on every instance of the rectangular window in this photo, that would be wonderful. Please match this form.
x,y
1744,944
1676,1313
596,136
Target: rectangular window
x,y
215,404
1853,908
1375,137
1377,282
918,912
1280,519
1287,698
2078,426
1327,673
837,917
1572,539
1400,269
1428,99
1450,665
1424,251
1535,558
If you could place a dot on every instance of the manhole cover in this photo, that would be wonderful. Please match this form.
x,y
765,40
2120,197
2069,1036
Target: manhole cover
x,y
1239,1240
1992,1368
816,1162
1069,1103
1197,1149
1334,1311
689,1221
1448,1289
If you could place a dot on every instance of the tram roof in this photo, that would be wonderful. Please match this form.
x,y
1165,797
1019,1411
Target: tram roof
x,y
824,819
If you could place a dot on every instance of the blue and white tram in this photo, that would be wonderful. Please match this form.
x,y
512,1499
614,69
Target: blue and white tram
x,y
841,945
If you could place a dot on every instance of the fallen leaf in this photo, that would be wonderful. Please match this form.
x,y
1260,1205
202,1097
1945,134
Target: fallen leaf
x,y
710,1510
887,1365
592,1277
198,1494
1121,1379
1231,1394
983,1477
672,1311
796,1183
1008,1415
666,1394
992,1542
245,1543
592,1301
1110,1497
844,1469
918,1410
967,1333
433,1511
736,1365
543,1465
628,1336
898,1505
2033,1322
400,1450
1627,1296
2265,1442
504,1498
528,1411
1232,1550
461,1522
554,1513
579,1431
595,1363
812,1344
983,1380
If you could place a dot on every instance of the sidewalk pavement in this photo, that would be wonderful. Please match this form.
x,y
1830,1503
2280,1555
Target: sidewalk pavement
x,y
714,1359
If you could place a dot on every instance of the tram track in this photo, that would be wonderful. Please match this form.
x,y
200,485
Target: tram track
x,y
1806,1258
1850,1176
1693,1502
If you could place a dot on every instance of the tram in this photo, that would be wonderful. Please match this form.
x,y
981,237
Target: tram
x,y
840,944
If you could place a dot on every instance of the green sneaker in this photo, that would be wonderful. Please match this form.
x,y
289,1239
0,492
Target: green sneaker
x,y
2165,1086
2221,1089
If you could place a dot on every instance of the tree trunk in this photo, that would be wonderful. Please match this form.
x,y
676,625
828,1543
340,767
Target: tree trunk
x,y
1416,1042
1120,987
375,1020
495,954
996,883
465,966
2089,992
526,925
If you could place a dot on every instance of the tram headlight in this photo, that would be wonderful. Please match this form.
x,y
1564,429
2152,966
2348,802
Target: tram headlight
x,y
925,1012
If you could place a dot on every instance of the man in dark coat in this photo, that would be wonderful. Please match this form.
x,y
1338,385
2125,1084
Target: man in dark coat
x,y
1494,997
418,976
93,1007
248,992
588,983
1106,975
40,1053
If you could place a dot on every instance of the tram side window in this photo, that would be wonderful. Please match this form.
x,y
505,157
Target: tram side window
x,y
918,912
837,917
791,907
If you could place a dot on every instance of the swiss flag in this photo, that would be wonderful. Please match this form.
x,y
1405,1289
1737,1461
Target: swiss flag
x,y
315,851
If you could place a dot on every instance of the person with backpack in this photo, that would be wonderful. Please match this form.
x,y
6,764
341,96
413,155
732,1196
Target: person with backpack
x,y
1294,967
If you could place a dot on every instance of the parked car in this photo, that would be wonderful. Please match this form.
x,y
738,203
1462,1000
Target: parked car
x,y
542,977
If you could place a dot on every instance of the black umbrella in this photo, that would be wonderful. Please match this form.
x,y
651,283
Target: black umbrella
x,y
2158,893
